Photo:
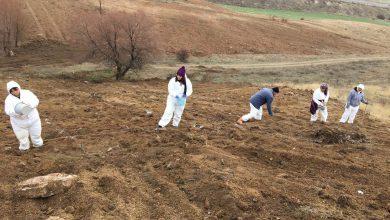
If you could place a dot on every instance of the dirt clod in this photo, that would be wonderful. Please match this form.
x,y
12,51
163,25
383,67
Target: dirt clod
x,y
345,201
69,209
206,204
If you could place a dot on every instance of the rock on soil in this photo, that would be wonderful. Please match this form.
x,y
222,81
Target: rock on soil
x,y
46,186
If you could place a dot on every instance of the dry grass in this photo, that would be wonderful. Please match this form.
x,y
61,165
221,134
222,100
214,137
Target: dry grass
x,y
378,96
341,78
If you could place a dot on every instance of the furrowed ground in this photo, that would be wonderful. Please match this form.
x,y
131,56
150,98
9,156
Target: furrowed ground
x,y
279,167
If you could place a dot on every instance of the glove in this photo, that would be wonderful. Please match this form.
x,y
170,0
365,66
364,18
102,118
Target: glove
x,y
181,101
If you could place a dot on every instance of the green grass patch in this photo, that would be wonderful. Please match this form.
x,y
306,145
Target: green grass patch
x,y
297,15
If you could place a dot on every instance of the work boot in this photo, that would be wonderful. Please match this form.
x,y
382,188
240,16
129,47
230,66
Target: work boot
x,y
21,152
160,128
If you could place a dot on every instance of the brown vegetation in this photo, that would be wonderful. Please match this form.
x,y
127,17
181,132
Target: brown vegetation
x,y
123,40
381,16
182,55
12,25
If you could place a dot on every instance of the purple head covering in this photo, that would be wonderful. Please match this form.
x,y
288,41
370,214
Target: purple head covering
x,y
324,86
182,72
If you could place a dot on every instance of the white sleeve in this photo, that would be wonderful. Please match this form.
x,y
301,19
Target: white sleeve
x,y
31,99
189,87
9,108
171,88
315,97
327,97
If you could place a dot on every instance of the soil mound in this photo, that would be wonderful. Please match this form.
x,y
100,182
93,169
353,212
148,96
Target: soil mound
x,y
336,136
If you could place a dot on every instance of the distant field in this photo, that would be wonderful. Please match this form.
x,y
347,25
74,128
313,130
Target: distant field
x,y
375,3
382,1
297,15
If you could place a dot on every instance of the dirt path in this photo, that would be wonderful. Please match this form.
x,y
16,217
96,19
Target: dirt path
x,y
53,24
35,18
44,21
369,3
283,64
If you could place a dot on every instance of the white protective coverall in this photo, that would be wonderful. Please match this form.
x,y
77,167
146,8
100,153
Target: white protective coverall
x,y
175,102
321,100
24,125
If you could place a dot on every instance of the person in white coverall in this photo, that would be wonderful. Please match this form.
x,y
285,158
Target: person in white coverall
x,y
179,89
356,96
24,125
318,103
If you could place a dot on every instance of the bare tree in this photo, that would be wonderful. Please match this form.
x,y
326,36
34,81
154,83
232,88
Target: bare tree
x,y
12,24
100,7
19,23
5,25
124,40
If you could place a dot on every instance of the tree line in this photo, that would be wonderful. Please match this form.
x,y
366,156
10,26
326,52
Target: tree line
x,y
13,25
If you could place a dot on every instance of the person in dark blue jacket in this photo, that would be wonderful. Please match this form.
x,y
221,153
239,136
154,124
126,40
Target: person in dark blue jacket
x,y
264,96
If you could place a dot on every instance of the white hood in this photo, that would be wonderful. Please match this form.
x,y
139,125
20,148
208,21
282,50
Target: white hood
x,y
12,84
361,86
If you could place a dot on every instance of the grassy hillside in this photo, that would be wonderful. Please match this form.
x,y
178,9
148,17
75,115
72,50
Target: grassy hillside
x,y
349,8
297,15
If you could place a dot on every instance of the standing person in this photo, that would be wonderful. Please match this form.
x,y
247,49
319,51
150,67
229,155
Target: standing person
x,y
24,125
356,96
264,96
318,103
179,89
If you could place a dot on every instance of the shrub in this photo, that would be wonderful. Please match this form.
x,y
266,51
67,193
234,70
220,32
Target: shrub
x,y
381,16
183,55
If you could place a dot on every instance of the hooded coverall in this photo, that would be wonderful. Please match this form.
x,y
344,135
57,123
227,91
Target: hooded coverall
x,y
175,102
24,125
321,100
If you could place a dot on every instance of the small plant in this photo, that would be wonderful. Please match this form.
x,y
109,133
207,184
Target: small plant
x,y
302,19
381,16
284,20
183,55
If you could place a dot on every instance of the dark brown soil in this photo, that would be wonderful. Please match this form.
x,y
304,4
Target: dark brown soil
x,y
209,167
